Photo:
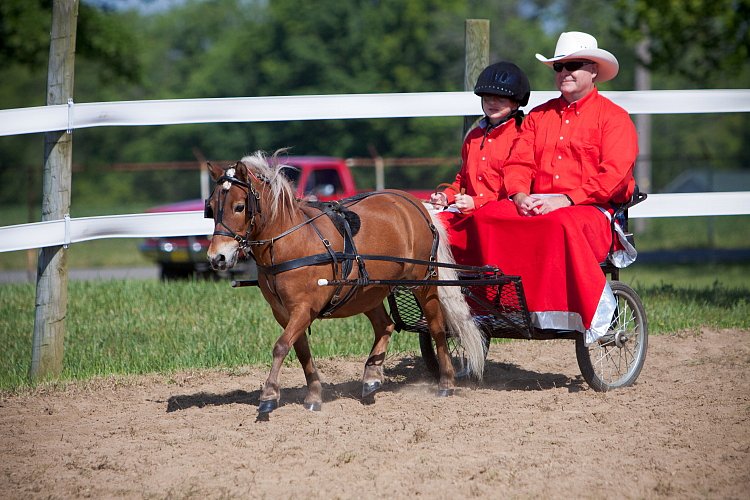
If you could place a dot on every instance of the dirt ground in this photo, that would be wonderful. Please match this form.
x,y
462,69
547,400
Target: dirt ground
x,y
532,429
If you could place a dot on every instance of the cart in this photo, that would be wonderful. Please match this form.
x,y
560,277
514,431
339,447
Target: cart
x,y
499,309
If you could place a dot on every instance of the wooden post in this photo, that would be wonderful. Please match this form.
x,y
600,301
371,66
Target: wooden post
x,y
52,271
477,47
643,125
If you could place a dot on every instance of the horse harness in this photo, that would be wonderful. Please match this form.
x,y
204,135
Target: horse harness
x,y
346,222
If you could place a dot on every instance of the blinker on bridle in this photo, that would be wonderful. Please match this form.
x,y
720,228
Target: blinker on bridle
x,y
252,205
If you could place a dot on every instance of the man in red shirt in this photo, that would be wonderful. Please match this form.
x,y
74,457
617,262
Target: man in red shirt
x,y
573,158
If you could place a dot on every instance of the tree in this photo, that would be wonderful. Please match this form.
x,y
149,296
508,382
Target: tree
x,y
695,38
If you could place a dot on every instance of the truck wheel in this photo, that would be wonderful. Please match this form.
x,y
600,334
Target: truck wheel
x,y
617,358
172,272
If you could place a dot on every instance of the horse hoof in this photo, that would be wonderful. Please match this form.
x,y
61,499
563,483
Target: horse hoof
x,y
444,393
268,406
312,406
370,387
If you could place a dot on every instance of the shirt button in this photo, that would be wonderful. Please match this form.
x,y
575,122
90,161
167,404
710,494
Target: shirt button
x,y
483,158
561,138
567,121
557,177
481,194
489,140
479,177
559,157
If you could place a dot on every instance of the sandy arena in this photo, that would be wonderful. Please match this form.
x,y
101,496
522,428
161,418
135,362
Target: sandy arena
x,y
532,429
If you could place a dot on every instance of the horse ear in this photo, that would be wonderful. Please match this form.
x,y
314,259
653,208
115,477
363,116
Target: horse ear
x,y
215,172
240,171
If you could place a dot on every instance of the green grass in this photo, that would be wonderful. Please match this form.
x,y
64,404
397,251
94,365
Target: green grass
x,y
680,297
136,327
133,327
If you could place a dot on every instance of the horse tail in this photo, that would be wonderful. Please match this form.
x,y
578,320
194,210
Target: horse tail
x,y
455,309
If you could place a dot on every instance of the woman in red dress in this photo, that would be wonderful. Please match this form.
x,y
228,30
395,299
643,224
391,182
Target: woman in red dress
x,y
504,88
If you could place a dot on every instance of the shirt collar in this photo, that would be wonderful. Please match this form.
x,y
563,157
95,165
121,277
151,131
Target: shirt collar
x,y
578,105
484,123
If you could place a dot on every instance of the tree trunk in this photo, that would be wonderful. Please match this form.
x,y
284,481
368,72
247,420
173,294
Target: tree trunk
x,y
52,272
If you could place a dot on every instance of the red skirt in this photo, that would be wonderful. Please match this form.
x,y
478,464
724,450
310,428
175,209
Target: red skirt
x,y
557,255
462,237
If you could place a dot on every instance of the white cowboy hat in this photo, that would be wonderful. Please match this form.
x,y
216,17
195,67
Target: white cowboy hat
x,y
578,45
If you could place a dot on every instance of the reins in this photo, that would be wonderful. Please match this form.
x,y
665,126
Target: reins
x,y
346,258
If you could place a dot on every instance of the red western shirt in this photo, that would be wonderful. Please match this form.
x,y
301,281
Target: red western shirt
x,y
585,150
483,159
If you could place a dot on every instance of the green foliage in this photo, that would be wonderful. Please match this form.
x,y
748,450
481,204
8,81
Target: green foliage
x,y
696,38
228,48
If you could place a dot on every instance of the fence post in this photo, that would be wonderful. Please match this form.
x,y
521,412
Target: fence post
x,y
477,47
643,125
52,271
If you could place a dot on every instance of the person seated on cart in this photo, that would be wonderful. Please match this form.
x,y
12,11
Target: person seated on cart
x,y
504,89
573,160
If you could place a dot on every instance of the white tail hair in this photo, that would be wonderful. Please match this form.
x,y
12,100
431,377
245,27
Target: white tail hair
x,y
455,309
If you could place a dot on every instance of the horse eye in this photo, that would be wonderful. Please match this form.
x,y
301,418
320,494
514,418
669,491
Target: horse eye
x,y
239,208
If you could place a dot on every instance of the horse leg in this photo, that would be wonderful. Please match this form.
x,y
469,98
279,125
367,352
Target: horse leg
x,y
269,396
436,324
314,398
383,326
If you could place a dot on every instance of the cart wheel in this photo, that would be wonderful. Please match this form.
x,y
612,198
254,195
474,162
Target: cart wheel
x,y
617,358
429,354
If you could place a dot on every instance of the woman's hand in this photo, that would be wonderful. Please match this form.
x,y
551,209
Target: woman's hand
x,y
439,199
464,203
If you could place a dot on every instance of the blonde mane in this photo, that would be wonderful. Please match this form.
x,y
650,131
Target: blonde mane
x,y
282,193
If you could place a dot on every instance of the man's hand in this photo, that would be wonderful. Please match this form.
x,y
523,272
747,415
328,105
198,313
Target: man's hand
x,y
530,205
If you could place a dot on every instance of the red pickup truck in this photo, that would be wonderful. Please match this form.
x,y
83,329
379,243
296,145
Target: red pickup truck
x,y
317,177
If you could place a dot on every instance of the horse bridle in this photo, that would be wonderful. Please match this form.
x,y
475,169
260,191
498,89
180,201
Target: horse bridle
x,y
252,206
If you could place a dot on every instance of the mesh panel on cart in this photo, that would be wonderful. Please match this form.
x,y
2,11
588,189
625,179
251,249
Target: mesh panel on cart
x,y
497,303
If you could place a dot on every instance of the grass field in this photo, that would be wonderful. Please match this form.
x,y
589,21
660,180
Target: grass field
x,y
132,327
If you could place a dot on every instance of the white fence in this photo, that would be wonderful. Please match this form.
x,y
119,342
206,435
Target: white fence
x,y
354,106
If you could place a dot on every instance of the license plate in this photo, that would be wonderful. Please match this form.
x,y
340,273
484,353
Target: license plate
x,y
180,255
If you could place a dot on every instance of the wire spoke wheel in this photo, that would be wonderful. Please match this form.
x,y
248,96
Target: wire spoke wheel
x,y
617,358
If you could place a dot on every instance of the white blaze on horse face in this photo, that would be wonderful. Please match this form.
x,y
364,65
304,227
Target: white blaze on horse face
x,y
226,248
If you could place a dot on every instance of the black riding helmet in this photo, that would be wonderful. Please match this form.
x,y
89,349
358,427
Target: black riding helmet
x,y
504,79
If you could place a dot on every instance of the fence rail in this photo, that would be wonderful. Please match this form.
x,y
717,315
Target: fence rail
x,y
354,106
333,107
165,224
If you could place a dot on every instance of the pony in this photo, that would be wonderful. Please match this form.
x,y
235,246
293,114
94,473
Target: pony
x,y
300,246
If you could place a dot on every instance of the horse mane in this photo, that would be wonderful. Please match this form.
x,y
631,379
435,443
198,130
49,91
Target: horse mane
x,y
282,193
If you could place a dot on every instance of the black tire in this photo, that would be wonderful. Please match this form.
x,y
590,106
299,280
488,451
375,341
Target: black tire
x,y
175,272
429,354
617,359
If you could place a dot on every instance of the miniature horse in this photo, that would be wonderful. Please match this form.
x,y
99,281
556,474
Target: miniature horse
x,y
254,209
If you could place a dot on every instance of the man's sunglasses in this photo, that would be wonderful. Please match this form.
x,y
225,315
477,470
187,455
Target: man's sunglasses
x,y
570,65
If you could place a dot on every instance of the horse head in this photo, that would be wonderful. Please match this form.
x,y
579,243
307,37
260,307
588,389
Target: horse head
x,y
240,191
233,206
